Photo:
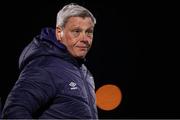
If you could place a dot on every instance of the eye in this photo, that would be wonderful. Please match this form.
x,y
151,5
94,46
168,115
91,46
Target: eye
x,y
89,32
76,32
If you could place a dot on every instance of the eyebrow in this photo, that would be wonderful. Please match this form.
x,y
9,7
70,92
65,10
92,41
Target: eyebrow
x,y
77,27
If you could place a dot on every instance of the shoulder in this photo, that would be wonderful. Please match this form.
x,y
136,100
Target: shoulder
x,y
36,76
34,72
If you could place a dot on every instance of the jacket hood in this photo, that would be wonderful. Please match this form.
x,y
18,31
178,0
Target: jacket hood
x,y
44,44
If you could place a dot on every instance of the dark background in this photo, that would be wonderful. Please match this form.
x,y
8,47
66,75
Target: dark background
x,y
130,50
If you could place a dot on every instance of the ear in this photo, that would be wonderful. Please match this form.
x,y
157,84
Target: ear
x,y
59,33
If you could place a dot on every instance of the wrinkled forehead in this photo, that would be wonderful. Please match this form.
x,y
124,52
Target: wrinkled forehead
x,y
80,22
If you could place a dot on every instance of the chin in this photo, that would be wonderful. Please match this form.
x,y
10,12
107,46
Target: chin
x,y
80,56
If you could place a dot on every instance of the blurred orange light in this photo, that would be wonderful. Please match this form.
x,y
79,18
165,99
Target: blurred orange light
x,y
108,97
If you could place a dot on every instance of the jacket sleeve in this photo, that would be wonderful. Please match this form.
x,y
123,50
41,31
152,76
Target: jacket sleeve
x,y
33,89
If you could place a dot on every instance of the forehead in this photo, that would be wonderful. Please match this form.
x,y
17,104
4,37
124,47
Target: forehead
x,y
80,22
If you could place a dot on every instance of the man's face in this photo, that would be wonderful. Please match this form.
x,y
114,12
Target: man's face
x,y
77,35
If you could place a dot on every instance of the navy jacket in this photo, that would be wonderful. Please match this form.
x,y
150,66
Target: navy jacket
x,y
52,84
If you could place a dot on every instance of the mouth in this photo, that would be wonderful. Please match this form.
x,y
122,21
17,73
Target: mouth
x,y
82,47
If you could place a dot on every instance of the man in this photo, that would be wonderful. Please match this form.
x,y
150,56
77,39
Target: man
x,y
54,82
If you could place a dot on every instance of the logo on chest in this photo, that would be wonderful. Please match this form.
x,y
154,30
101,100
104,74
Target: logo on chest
x,y
73,86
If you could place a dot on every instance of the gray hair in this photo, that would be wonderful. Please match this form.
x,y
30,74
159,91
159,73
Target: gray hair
x,y
72,10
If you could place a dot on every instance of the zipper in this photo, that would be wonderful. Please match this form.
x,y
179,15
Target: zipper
x,y
84,74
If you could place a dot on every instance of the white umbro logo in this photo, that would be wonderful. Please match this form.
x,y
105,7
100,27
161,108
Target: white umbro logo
x,y
73,85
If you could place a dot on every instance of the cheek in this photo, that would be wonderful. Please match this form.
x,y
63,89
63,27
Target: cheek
x,y
90,42
70,41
